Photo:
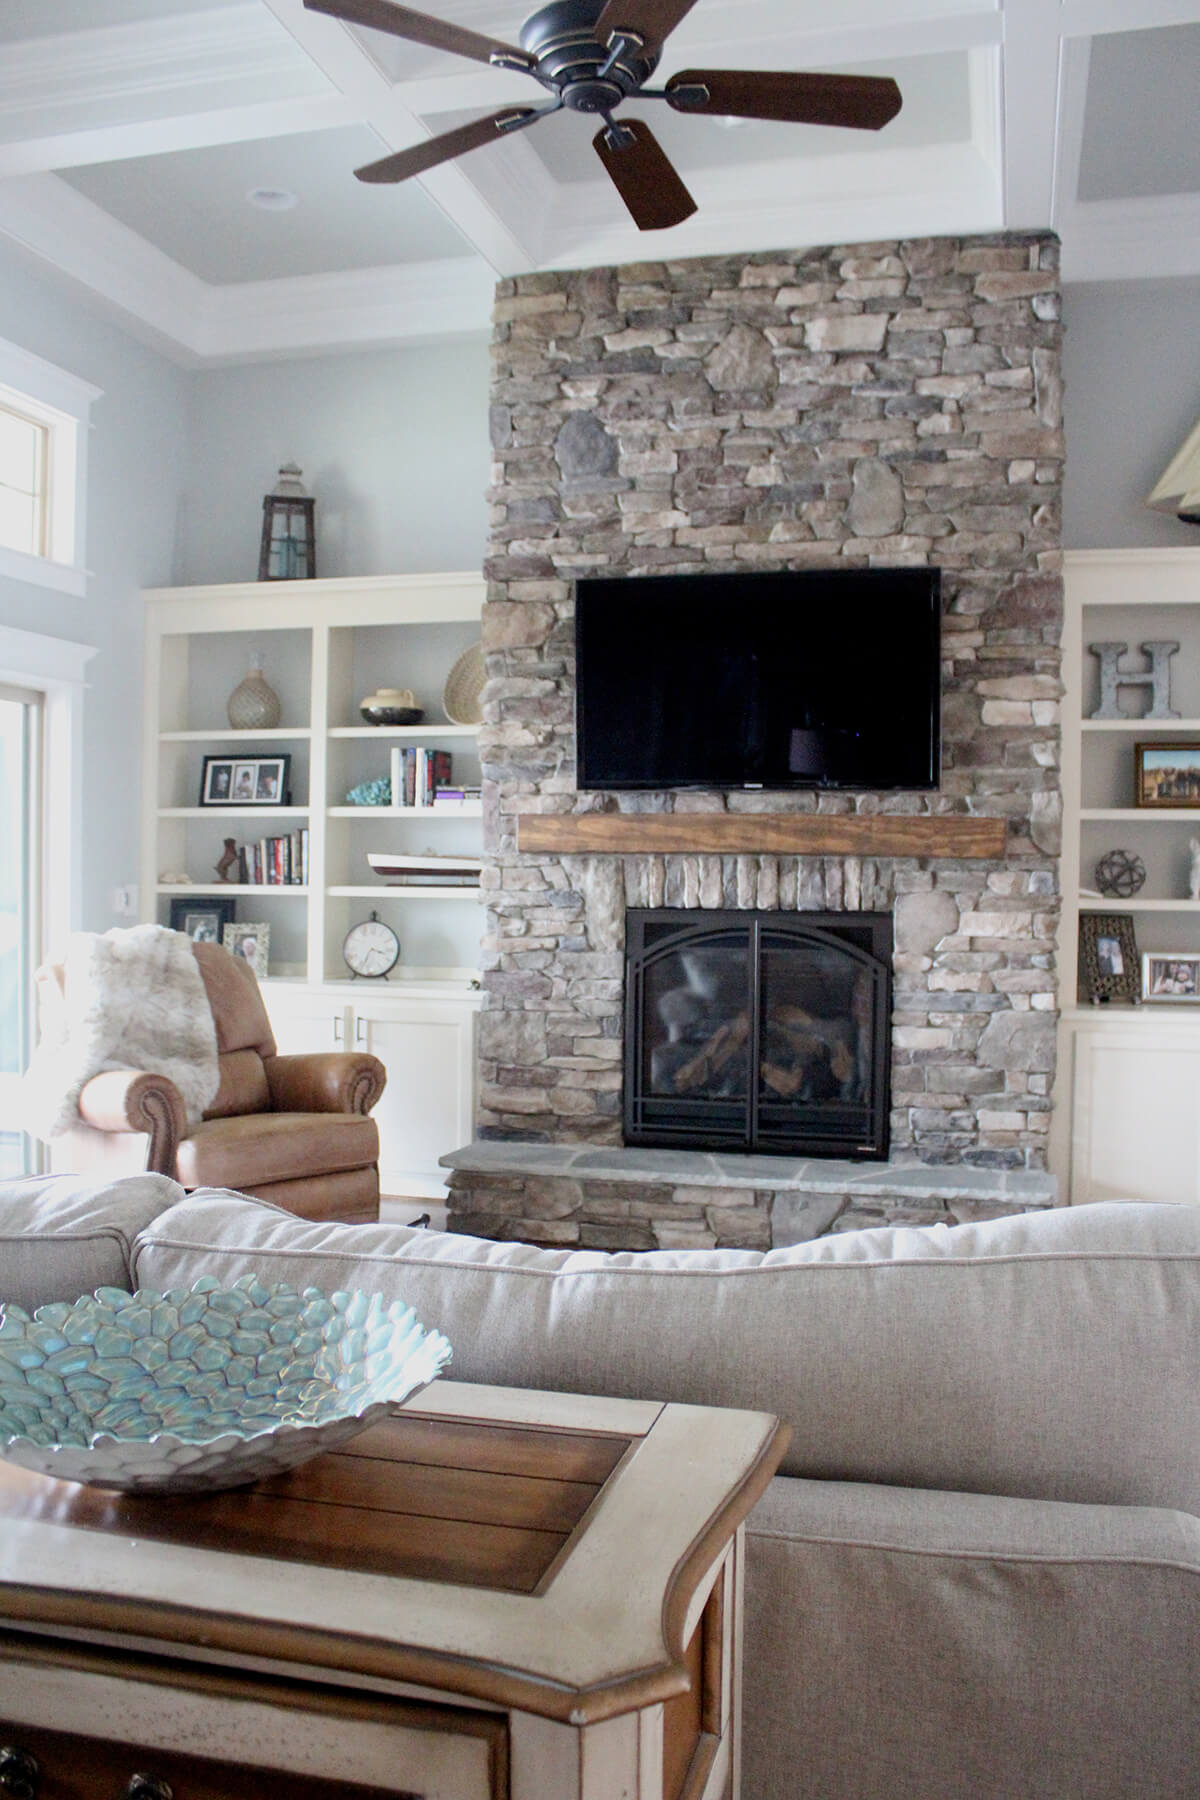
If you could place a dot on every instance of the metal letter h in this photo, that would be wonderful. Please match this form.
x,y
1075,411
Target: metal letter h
x,y
1157,678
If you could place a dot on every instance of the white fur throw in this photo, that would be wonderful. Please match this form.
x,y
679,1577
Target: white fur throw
x,y
132,999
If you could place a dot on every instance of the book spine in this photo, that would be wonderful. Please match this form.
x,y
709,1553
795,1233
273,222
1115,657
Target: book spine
x,y
397,774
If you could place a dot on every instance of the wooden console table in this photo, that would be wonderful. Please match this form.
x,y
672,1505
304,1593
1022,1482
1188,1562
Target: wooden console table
x,y
495,1595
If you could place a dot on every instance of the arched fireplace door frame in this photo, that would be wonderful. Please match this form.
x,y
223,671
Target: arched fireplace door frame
x,y
761,1121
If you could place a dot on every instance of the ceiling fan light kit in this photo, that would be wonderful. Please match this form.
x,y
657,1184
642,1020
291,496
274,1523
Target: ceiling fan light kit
x,y
592,55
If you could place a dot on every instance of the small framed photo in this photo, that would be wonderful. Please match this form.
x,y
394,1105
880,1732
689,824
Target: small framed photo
x,y
1108,958
1167,774
245,780
252,941
202,917
1171,975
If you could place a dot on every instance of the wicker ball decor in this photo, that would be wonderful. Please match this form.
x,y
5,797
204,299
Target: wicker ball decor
x,y
1120,873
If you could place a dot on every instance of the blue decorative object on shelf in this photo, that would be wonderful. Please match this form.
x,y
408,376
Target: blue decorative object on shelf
x,y
202,1387
371,793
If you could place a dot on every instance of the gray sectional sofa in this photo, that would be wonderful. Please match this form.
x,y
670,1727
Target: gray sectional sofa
x,y
978,1571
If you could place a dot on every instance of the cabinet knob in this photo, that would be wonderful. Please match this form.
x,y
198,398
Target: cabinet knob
x,y
339,1029
361,1033
19,1773
147,1787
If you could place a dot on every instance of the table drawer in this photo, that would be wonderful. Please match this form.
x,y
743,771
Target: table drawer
x,y
210,1736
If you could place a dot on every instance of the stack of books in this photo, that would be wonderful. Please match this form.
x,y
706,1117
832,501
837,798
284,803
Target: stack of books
x,y
417,774
275,861
456,799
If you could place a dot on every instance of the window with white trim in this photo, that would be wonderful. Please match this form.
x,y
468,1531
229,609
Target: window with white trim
x,y
44,420
42,683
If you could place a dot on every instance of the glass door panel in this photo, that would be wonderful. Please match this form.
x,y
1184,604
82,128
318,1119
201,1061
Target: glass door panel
x,y
20,912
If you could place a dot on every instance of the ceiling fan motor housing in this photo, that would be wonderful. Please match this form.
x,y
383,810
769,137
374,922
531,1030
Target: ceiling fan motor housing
x,y
569,57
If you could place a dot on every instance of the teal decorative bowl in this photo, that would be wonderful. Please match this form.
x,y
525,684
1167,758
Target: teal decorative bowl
x,y
204,1387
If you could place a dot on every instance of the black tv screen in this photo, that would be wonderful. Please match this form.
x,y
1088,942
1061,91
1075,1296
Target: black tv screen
x,y
816,679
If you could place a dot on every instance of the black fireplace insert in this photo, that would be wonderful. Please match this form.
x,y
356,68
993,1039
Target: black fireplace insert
x,y
759,1031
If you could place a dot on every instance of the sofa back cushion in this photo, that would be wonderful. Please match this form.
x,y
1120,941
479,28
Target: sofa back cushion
x,y
66,1235
1051,1356
244,1036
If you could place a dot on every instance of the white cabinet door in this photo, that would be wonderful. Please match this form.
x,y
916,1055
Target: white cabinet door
x,y
306,1019
427,1107
1135,1114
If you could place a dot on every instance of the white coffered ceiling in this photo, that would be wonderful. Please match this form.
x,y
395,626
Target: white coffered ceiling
x,y
132,132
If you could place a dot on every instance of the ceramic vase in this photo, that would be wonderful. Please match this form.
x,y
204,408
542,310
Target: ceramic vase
x,y
253,704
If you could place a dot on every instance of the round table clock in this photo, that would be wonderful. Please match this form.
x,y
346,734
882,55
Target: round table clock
x,y
371,948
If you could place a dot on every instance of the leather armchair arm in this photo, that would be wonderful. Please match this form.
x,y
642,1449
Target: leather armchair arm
x,y
336,1081
133,1100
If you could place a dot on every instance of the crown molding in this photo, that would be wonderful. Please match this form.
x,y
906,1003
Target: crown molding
x,y
194,322
1131,240
949,190
186,63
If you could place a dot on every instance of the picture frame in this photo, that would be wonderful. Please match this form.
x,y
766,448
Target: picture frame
x,y
246,780
1167,775
1172,976
202,917
1108,958
250,940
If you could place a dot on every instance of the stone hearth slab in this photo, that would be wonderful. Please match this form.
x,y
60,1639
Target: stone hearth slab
x,y
619,1198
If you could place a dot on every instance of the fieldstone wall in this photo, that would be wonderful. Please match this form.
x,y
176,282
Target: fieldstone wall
x,y
868,404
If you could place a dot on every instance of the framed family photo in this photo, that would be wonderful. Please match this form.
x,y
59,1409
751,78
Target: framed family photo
x,y
1171,975
202,917
245,780
1167,774
1108,958
250,940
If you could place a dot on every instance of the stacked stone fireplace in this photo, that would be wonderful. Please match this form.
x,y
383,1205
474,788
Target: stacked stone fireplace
x,y
866,405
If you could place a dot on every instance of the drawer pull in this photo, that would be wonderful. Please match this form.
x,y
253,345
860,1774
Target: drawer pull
x,y
147,1787
19,1773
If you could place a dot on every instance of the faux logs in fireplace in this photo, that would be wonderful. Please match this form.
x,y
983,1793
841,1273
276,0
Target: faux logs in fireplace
x,y
759,1031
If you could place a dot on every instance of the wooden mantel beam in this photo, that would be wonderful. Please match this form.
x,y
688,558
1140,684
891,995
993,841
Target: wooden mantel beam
x,y
954,835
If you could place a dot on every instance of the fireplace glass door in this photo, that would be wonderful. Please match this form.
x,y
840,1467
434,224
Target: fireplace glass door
x,y
758,1031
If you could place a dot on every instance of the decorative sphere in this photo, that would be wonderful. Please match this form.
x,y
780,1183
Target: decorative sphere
x,y
1120,873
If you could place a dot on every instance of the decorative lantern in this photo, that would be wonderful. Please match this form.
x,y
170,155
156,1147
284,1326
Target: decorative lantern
x,y
289,546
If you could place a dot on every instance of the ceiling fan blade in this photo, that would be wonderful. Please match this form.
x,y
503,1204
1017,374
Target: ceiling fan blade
x,y
650,19
644,177
419,28
863,102
401,164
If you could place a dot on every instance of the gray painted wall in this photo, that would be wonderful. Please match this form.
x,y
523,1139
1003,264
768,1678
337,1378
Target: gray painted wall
x,y
136,463
1132,374
393,444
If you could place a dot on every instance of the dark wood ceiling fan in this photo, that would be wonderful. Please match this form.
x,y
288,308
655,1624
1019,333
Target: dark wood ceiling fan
x,y
593,54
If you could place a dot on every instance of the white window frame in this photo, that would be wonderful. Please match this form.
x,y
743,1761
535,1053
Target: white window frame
x,y
56,667
56,398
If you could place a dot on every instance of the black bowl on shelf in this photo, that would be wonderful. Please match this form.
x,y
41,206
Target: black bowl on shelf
x,y
392,715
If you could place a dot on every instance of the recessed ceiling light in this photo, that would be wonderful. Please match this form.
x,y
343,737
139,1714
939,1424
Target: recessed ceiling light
x,y
269,199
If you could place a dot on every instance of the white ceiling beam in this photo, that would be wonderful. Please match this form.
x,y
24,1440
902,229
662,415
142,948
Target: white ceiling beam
x,y
1031,81
503,239
185,63
180,131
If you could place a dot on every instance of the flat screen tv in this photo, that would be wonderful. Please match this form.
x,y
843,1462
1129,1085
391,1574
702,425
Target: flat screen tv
x,y
815,679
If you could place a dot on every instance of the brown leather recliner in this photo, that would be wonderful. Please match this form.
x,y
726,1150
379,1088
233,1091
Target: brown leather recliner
x,y
290,1129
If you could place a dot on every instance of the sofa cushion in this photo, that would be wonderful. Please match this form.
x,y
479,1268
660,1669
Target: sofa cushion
x,y
939,1645
66,1235
257,1148
1050,1355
